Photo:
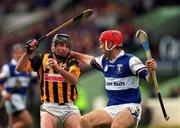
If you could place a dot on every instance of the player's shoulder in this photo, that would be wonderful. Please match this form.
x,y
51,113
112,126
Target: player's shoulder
x,y
39,56
100,57
11,64
129,55
71,61
6,66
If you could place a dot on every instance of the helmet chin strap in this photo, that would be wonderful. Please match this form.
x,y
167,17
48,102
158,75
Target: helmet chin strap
x,y
109,49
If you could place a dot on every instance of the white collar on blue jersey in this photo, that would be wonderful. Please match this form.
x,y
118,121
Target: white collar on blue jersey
x,y
121,53
13,61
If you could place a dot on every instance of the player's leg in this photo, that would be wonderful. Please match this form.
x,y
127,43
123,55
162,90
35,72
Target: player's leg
x,y
19,120
72,121
124,119
95,118
10,120
48,120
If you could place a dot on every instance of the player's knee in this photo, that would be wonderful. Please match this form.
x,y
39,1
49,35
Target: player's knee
x,y
84,123
118,124
115,126
122,125
29,121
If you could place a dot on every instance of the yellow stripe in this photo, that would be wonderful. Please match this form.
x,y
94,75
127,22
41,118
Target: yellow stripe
x,y
50,87
45,58
44,90
28,67
44,67
72,68
60,93
75,94
60,90
69,92
75,69
40,73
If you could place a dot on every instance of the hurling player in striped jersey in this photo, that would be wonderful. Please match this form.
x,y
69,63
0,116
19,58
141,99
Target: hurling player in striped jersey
x,y
121,73
58,74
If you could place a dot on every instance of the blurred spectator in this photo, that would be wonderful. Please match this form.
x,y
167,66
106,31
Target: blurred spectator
x,y
13,88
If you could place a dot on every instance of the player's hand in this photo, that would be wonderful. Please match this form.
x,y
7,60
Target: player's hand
x,y
71,53
52,63
151,65
6,95
31,46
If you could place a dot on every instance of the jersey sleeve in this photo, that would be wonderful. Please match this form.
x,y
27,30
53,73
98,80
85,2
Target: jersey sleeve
x,y
72,65
36,62
97,63
5,73
136,65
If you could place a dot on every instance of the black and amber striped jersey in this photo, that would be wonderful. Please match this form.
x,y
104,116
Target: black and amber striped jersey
x,y
54,88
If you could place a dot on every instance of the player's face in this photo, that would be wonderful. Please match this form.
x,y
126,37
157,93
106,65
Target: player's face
x,y
17,53
103,49
61,49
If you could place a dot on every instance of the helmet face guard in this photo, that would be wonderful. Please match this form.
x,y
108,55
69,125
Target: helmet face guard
x,y
62,38
113,36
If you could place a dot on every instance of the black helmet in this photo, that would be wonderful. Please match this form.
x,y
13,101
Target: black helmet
x,y
62,38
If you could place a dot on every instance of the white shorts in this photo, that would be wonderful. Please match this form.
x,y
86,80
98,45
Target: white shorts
x,y
60,111
17,103
115,109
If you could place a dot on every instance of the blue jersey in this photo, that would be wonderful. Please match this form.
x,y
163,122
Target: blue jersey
x,y
13,81
121,81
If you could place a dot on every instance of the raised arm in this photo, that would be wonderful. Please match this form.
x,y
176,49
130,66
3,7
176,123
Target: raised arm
x,y
30,46
23,62
86,59
152,66
140,70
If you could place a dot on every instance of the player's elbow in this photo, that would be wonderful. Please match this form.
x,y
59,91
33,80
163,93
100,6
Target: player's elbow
x,y
18,69
74,82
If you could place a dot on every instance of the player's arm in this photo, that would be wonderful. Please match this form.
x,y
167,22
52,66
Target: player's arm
x,y
146,73
24,64
1,88
71,76
140,70
3,76
95,62
86,59
6,95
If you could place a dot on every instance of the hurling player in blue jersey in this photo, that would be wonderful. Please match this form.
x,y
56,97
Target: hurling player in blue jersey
x,y
13,88
121,72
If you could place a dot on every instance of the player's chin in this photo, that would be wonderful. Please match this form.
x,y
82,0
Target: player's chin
x,y
64,54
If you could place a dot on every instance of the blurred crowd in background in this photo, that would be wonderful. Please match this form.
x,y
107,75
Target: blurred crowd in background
x,y
108,14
